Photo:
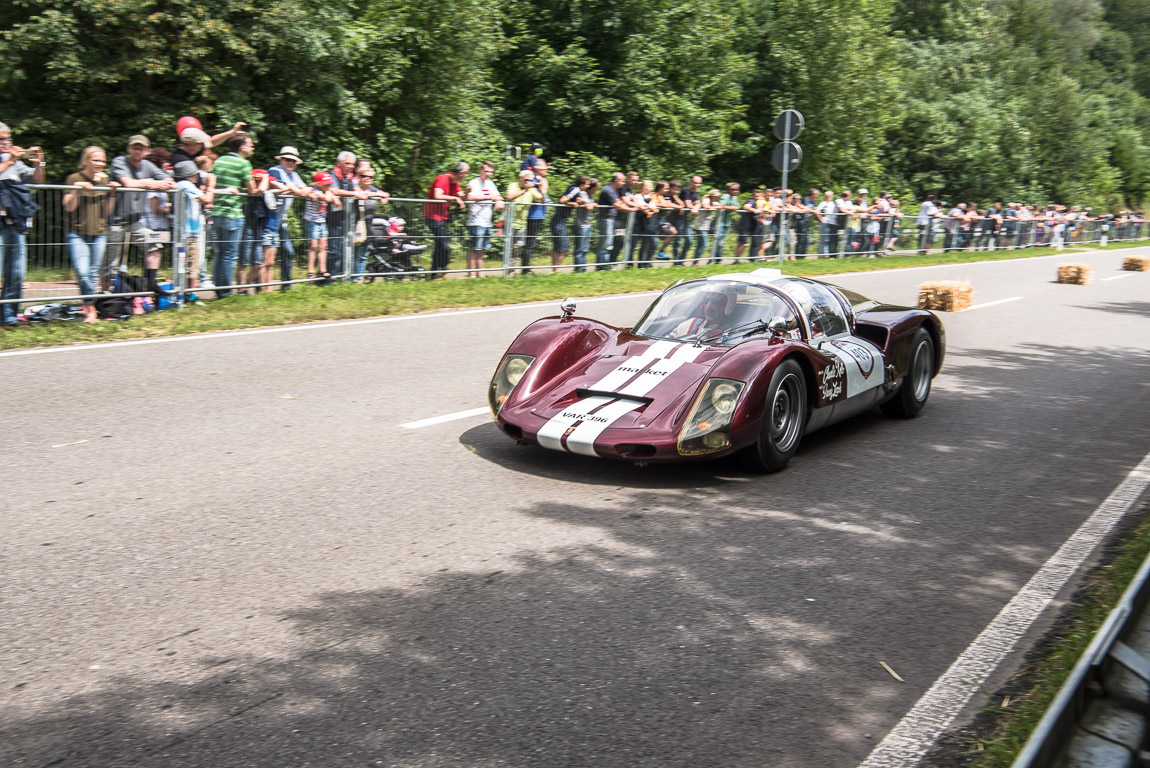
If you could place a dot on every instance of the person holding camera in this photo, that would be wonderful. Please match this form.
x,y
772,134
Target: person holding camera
x,y
18,166
525,194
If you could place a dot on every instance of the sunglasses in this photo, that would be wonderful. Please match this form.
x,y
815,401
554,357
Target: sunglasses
x,y
367,175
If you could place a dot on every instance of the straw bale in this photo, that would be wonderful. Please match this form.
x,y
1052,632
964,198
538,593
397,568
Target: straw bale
x,y
1136,264
945,295
1074,274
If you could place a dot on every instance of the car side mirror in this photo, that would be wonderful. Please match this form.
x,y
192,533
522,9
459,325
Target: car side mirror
x,y
777,326
567,307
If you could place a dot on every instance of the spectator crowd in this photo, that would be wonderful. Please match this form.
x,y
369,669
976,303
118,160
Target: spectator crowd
x,y
114,207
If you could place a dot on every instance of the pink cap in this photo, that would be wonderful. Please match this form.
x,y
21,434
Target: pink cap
x,y
322,177
259,172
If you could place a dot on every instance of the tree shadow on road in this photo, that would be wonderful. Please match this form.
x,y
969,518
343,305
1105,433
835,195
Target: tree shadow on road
x,y
730,622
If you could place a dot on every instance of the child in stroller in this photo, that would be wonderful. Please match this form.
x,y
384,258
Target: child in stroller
x,y
390,248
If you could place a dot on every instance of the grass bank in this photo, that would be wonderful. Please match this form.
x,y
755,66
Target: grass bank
x,y
1001,730
305,304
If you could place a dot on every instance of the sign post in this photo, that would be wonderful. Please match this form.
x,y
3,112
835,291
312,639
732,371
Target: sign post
x,y
786,158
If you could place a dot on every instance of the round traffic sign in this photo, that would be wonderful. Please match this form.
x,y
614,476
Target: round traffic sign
x,y
789,124
786,156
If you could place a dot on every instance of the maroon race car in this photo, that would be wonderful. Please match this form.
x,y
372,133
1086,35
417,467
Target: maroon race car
x,y
746,362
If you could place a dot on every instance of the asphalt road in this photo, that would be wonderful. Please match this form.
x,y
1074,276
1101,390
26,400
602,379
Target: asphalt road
x,y
248,562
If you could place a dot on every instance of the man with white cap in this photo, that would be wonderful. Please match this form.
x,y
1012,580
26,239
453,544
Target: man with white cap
x,y
285,181
195,141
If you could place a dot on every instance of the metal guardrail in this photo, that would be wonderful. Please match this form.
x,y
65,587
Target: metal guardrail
x,y
1100,716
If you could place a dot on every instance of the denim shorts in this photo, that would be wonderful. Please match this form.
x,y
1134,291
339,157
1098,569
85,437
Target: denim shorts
x,y
271,238
316,230
480,238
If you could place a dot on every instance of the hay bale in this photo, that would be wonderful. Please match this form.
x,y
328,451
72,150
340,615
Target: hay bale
x,y
1136,264
1074,274
945,295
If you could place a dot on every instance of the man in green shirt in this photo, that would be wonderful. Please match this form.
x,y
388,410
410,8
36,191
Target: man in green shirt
x,y
233,183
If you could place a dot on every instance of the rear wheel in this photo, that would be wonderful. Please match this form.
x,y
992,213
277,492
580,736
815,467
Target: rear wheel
x,y
784,418
916,383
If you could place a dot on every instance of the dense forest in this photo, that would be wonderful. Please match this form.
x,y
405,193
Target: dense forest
x,y
1036,100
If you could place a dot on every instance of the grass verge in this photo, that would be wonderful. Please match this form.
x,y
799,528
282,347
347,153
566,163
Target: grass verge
x,y
1001,730
341,302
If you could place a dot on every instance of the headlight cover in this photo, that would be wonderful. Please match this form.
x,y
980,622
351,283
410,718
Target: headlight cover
x,y
509,374
708,425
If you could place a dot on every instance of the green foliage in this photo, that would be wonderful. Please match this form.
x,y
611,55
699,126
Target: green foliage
x,y
974,99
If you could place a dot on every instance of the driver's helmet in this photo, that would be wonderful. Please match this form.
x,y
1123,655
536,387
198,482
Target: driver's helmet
x,y
724,294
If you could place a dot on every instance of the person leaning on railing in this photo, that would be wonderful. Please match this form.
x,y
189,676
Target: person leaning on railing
x,y
366,212
136,175
586,206
88,210
560,221
702,221
522,192
16,201
444,189
187,174
485,199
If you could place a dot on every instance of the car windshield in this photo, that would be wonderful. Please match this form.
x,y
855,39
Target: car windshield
x,y
826,315
714,311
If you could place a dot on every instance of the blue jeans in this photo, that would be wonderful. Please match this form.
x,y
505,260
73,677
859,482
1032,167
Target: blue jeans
x,y
287,254
13,265
681,244
720,238
701,238
360,261
441,250
582,245
606,240
87,253
226,233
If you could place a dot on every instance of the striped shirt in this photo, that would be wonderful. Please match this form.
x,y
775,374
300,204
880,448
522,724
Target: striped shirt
x,y
231,170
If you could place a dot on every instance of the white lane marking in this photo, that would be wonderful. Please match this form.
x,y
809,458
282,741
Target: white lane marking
x,y
993,303
918,731
457,312
1118,277
445,418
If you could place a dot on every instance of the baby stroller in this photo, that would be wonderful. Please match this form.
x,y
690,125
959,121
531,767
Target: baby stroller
x,y
390,251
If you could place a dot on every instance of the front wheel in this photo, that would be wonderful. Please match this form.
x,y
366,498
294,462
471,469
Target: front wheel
x,y
916,383
784,418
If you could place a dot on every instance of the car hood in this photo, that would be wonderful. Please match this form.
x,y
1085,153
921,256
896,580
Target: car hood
x,y
655,375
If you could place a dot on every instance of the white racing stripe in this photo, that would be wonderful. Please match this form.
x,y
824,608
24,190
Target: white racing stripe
x,y
582,440
551,434
917,732
687,353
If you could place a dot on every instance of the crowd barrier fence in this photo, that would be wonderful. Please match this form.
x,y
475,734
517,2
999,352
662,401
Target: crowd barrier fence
x,y
147,228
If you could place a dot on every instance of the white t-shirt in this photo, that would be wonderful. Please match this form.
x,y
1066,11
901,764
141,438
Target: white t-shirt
x,y
480,214
195,216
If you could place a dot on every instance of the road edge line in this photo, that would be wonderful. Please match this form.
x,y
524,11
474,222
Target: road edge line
x,y
919,729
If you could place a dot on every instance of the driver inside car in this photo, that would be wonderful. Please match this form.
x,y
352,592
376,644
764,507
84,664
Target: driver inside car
x,y
712,314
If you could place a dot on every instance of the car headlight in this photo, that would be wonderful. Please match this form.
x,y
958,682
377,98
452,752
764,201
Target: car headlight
x,y
723,396
506,378
708,425
516,367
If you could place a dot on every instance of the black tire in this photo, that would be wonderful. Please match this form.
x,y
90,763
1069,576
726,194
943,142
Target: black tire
x,y
784,419
915,388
